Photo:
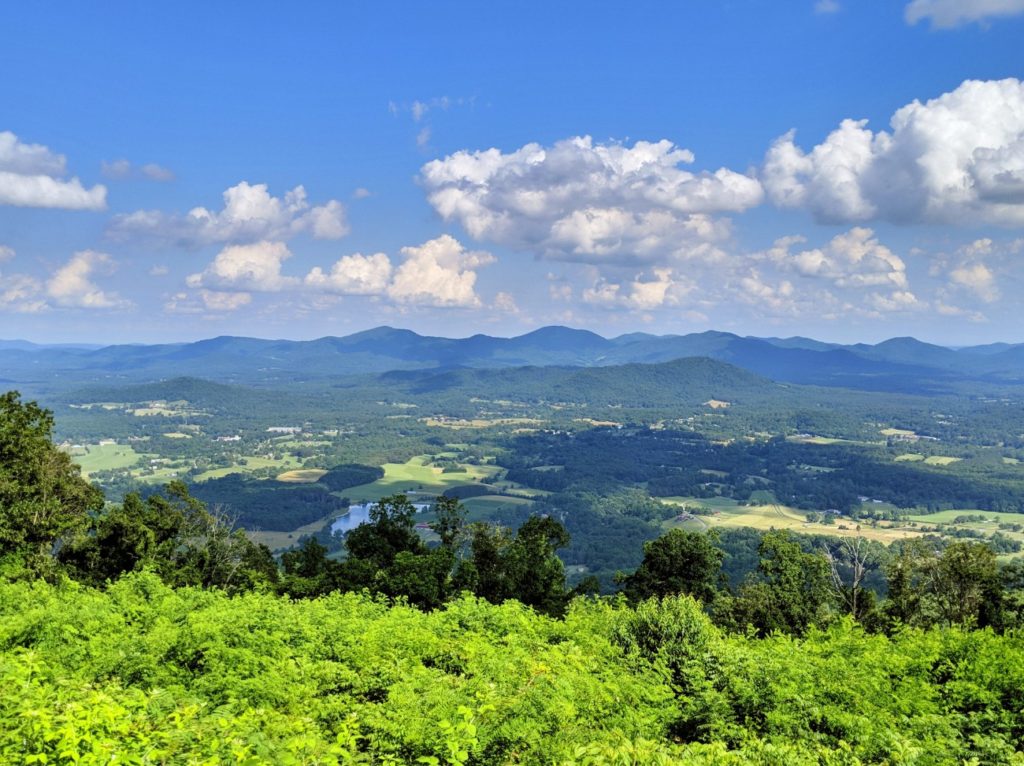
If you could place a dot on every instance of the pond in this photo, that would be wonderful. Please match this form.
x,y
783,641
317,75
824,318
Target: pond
x,y
360,514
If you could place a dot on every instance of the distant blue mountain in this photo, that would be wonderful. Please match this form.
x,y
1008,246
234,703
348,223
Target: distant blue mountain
x,y
898,364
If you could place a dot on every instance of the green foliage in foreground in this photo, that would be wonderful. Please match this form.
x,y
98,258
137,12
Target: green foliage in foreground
x,y
144,673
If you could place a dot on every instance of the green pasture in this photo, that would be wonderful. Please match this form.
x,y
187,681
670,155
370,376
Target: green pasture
x,y
418,476
105,457
775,516
946,517
942,460
253,462
482,507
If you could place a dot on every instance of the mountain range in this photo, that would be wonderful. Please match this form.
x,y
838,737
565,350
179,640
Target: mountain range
x,y
898,364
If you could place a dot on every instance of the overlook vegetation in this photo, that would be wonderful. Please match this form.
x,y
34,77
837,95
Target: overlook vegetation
x,y
153,631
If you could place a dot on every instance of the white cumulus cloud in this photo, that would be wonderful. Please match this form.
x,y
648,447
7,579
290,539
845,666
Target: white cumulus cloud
x,y
662,288
578,200
72,284
958,158
247,267
250,214
353,275
33,176
853,259
440,272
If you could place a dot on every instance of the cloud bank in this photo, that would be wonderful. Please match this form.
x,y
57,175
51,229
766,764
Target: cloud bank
x,y
439,273
33,176
250,214
956,159
578,200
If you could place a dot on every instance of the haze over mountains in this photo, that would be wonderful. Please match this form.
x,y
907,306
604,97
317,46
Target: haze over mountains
x,y
899,364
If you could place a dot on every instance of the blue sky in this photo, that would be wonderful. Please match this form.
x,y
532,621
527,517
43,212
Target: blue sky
x,y
181,171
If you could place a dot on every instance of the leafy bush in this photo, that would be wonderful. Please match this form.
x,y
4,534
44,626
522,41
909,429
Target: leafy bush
x,y
145,673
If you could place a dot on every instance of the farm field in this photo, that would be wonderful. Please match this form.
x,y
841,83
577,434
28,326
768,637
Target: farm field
x,y
774,516
942,460
480,507
284,463
301,475
457,423
417,476
917,457
277,541
946,517
823,440
105,457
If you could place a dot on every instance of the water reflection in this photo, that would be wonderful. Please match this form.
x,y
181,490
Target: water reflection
x,y
360,514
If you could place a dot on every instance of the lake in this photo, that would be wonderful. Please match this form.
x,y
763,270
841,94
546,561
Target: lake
x,y
360,514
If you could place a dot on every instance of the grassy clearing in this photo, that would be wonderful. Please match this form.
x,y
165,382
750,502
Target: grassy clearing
x,y
1010,461
484,506
897,432
946,517
277,541
773,516
909,457
105,457
809,439
417,476
162,474
253,462
456,423
941,460
301,475
287,442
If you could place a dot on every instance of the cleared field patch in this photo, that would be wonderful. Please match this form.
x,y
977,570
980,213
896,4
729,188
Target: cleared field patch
x,y
250,463
161,474
483,506
277,541
441,421
287,442
418,476
1010,461
947,517
773,516
105,457
177,435
162,408
909,457
301,475
811,439
715,503
897,432
941,460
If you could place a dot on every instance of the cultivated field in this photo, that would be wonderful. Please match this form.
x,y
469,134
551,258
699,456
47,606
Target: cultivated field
x,y
105,457
774,516
418,477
